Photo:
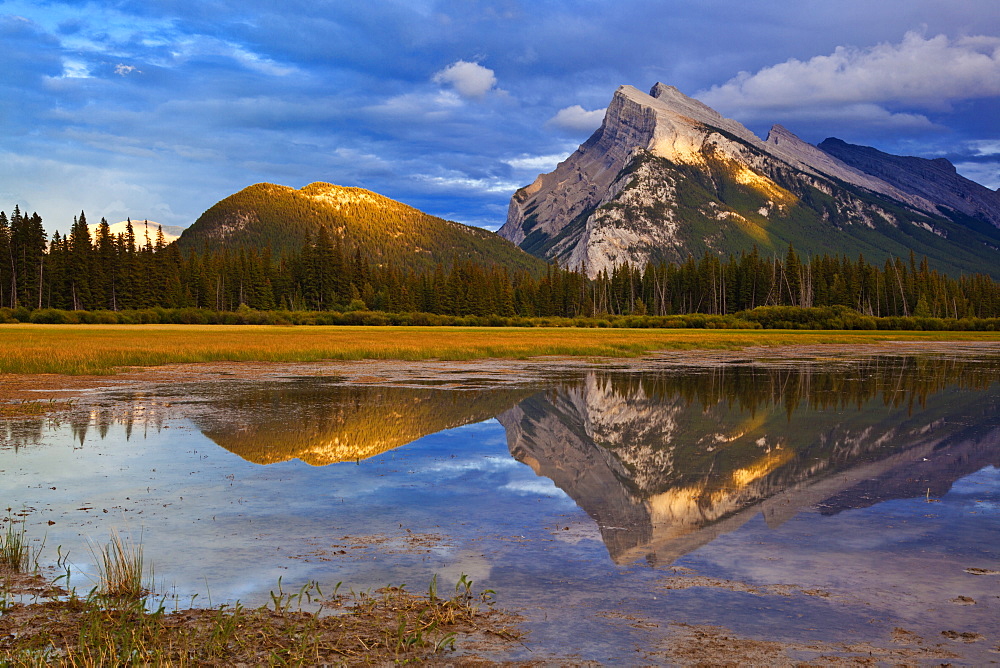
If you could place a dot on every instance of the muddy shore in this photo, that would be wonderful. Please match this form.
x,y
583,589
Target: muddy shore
x,y
84,390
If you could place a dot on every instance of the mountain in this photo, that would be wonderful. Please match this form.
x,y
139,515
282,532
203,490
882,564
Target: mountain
x,y
666,177
937,179
266,215
141,228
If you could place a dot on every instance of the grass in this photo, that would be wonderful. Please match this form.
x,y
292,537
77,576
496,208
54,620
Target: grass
x,y
120,569
105,349
26,409
387,626
119,622
14,553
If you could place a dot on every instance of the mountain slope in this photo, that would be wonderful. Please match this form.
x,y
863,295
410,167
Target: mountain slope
x,y
266,215
666,176
936,179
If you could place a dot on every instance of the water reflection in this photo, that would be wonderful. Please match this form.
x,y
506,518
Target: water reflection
x,y
324,425
666,462
663,461
639,464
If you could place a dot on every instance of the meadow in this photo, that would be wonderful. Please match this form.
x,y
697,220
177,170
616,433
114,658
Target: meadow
x,y
106,349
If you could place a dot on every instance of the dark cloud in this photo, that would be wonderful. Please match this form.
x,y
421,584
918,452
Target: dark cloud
x,y
158,109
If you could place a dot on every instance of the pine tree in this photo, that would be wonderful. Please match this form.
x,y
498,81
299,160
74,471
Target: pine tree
x,y
6,262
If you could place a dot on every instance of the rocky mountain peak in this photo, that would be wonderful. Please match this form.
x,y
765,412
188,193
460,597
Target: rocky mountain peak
x,y
666,176
945,164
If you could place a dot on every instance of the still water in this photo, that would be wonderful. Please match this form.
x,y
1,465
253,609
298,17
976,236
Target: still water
x,y
841,506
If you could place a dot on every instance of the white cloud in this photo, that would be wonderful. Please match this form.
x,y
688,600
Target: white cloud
x,y
534,487
413,106
199,46
921,72
536,163
985,173
123,70
74,69
985,147
453,182
871,116
577,118
470,80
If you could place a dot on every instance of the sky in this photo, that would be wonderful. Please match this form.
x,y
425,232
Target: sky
x,y
157,109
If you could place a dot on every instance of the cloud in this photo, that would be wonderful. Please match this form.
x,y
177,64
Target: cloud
x,y
870,116
536,163
454,181
985,173
414,106
985,147
124,70
576,118
470,80
920,72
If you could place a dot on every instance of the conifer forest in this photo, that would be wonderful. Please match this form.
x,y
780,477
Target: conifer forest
x,y
115,273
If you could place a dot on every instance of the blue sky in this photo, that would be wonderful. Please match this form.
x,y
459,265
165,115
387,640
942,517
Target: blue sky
x,y
157,109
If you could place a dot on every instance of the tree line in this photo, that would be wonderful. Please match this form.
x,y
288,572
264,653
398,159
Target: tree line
x,y
116,272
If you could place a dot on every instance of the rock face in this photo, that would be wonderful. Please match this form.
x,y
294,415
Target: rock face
x,y
666,177
935,180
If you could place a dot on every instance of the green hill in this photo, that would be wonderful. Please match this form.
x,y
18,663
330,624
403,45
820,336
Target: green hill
x,y
280,218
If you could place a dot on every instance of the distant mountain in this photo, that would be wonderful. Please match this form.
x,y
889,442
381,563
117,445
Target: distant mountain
x,y
266,215
666,177
141,228
937,180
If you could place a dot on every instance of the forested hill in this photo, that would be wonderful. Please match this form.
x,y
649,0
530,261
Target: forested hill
x,y
279,218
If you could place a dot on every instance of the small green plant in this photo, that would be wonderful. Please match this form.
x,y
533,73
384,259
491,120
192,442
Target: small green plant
x,y
283,602
15,552
14,548
120,569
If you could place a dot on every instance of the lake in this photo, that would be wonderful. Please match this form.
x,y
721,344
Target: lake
x,y
828,506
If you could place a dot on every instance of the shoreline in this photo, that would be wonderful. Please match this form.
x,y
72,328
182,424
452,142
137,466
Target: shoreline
x,y
66,390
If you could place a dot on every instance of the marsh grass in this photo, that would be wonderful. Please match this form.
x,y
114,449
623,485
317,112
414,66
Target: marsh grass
x,y
27,409
120,569
105,349
15,554
383,627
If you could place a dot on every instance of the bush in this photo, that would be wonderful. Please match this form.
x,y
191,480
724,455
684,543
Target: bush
x,y
51,316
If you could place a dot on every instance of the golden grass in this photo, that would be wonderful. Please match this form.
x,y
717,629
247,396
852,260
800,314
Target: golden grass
x,y
103,349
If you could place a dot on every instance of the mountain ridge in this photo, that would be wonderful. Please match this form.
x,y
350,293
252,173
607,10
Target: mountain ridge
x,y
936,179
666,176
281,218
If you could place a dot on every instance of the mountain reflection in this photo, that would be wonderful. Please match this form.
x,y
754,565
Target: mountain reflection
x,y
325,425
665,462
